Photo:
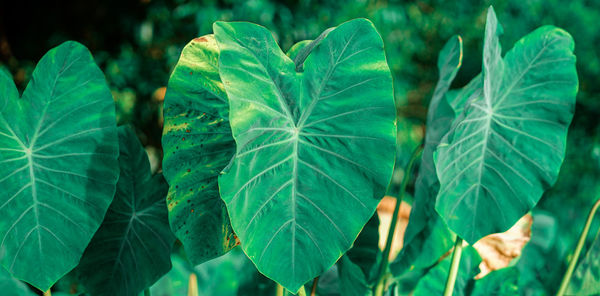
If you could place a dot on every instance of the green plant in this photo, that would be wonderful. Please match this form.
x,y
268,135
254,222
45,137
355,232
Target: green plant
x,y
58,167
287,155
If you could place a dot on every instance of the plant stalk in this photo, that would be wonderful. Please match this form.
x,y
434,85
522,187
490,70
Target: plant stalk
x,y
279,290
569,273
48,293
454,267
390,238
193,285
313,291
302,292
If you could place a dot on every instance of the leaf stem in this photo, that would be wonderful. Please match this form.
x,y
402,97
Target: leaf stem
x,y
48,293
313,291
279,290
454,267
569,273
193,285
390,237
302,292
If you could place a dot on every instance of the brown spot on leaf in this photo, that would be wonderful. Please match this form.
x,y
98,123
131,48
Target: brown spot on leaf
x,y
201,39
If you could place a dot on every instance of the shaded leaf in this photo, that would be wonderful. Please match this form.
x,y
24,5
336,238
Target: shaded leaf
x,y
11,286
132,248
427,238
501,282
358,267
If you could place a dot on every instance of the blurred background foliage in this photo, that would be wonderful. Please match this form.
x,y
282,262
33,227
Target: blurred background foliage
x,y
138,42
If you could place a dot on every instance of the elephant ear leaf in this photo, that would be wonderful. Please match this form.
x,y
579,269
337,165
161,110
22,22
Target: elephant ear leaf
x,y
427,238
197,145
58,164
586,279
132,248
508,144
304,180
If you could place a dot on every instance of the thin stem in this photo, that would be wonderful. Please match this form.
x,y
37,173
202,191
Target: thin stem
x,y
48,293
302,292
313,291
453,267
569,273
147,292
279,290
193,285
390,238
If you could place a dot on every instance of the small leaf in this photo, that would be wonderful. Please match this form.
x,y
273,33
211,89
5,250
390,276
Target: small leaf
x,y
11,286
434,281
586,279
501,282
427,238
197,145
58,164
508,144
305,179
132,248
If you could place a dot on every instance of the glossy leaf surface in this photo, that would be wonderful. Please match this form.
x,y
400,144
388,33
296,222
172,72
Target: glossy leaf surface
x,y
197,145
507,146
132,248
427,238
58,164
305,179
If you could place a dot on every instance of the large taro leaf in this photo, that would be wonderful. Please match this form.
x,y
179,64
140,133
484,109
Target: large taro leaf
x,y
315,149
586,279
358,267
427,238
132,248
507,146
434,281
58,164
197,145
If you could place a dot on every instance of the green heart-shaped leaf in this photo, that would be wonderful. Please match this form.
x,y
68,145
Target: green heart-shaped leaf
x,y
58,164
315,149
197,145
427,238
507,146
132,248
